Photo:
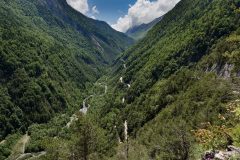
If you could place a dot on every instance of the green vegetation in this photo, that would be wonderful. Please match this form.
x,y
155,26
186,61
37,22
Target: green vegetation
x,y
183,97
179,76
47,59
7,145
139,32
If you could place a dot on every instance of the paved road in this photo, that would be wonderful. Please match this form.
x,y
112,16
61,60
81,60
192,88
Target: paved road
x,y
19,148
122,81
86,106
2,142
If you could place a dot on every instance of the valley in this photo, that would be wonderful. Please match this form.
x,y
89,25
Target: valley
x,y
71,87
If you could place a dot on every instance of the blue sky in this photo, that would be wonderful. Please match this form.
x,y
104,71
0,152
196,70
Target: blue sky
x,y
111,10
123,14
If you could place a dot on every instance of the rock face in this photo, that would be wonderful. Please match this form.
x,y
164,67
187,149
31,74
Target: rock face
x,y
226,71
223,71
231,152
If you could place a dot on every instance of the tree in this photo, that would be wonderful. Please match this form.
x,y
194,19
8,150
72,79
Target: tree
x,y
174,142
89,140
56,148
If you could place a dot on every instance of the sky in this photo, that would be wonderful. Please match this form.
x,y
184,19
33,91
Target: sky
x,y
123,14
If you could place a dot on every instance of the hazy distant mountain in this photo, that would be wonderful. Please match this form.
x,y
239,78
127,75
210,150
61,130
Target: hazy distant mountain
x,y
138,32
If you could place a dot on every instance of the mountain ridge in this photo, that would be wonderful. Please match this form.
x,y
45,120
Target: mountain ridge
x,y
49,54
138,32
172,90
173,95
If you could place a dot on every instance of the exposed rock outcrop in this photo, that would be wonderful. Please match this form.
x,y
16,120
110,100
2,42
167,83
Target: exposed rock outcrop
x,y
231,152
226,71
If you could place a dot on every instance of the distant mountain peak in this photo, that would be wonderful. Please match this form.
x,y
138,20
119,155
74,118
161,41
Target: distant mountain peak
x,y
138,32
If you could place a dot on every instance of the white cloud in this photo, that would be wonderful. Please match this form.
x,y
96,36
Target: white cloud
x,y
143,11
93,17
83,7
79,5
95,10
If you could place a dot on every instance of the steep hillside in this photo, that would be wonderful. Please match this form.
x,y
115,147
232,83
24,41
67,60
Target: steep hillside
x,y
138,32
172,96
182,75
108,41
48,52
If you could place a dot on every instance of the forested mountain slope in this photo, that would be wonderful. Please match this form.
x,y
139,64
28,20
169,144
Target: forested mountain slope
x,y
179,41
48,52
182,75
172,96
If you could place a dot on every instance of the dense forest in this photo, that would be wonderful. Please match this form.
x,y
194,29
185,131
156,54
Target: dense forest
x,y
184,75
48,55
172,96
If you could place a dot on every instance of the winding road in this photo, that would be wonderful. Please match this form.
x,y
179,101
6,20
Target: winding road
x,y
2,142
122,81
19,149
72,119
18,152
25,139
86,106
